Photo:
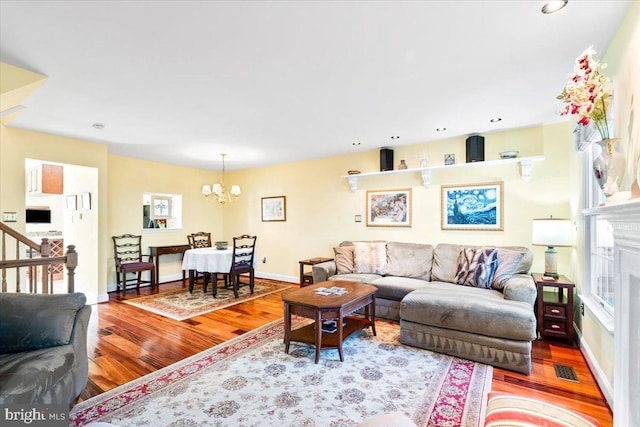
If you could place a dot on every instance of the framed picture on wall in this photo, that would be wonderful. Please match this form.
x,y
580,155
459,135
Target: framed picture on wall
x,y
389,208
84,199
160,207
472,207
71,202
274,208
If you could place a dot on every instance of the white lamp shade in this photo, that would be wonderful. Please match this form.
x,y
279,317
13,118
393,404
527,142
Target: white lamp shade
x,y
206,190
551,232
217,188
235,190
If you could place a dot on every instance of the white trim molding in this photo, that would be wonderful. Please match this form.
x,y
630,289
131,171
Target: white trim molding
x,y
625,221
598,374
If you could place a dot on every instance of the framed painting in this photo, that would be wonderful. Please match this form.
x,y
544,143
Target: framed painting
x,y
160,207
84,200
274,208
389,208
472,207
71,202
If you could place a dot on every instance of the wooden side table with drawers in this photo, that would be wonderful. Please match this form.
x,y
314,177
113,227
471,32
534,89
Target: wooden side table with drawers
x,y
555,307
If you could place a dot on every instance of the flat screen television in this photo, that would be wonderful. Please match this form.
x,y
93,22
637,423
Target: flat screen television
x,y
38,216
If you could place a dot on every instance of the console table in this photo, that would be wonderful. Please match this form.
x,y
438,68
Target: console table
x,y
156,251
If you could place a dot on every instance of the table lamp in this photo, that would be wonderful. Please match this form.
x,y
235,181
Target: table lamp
x,y
551,232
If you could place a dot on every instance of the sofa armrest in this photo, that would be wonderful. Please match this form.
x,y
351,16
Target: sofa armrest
x,y
520,287
323,271
79,343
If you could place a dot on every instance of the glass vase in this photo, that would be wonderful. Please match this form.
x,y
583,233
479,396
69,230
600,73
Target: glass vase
x,y
601,164
609,166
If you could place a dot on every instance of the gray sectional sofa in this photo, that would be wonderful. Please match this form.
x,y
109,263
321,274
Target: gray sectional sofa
x,y
491,322
43,349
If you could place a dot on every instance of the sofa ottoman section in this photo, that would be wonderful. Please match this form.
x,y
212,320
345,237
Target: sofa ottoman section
x,y
472,323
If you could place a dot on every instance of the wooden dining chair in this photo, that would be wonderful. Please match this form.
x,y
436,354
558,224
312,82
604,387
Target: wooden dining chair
x,y
127,254
242,262
200,239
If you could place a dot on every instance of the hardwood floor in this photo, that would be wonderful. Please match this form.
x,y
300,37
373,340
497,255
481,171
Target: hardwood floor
x,y
126,342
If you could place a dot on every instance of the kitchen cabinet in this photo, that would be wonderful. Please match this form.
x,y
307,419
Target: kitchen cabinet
x,y
45,179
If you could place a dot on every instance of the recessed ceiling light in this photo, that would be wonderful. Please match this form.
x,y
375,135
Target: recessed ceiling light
x,y
395,137
440,129
553,6
355,144
496,120
98,126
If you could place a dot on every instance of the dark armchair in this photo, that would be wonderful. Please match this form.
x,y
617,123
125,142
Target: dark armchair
x,y
43,349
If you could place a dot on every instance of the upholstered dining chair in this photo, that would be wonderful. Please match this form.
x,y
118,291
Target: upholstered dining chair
x,y
242,261
202,239
127,254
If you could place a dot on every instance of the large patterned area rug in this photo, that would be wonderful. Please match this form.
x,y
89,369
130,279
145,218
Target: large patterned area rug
x,y
180,304
250,381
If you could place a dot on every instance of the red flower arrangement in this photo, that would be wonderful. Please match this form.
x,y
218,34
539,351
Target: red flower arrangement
x,y
588,93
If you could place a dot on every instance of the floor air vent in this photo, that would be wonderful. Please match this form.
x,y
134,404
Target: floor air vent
x,y
564,372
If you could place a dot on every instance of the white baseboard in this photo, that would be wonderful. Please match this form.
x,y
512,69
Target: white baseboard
x,y
93,298
600,377
281,277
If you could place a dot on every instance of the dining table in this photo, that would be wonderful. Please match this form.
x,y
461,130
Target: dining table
x,y
210,260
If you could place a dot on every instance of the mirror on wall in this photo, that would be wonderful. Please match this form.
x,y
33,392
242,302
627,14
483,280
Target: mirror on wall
x,y
161,211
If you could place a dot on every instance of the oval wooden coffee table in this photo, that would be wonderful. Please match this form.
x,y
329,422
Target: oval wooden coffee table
x,y
307,303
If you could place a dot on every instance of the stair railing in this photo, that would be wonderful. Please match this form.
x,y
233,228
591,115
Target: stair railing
x,y
37,261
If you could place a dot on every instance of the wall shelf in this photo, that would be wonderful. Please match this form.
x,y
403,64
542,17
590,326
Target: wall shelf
x,y
525,170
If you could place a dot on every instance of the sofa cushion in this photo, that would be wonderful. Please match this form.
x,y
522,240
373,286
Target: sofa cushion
x,y
477,267
344,259
409,260
469,309
356,277
25,375
508,263
50,322
396,288
445,262
370,257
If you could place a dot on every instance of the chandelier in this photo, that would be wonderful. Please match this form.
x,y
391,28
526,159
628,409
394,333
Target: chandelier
x,y
218,192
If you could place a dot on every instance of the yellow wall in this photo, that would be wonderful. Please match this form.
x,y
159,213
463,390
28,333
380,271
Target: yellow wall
x,y
129,178
16,145
321,207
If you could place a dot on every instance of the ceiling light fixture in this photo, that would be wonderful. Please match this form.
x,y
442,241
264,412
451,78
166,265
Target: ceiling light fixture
x,y
553,6
496,120
355,144
217,191
395,137
440,129
98,126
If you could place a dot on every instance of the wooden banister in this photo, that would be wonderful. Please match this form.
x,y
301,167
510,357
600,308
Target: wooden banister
x,y
37,259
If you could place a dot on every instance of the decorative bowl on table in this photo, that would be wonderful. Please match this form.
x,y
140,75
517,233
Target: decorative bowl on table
x,y
222,245
509,154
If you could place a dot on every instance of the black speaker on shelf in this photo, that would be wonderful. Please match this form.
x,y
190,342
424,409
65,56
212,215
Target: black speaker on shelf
x,y
475,149
386,159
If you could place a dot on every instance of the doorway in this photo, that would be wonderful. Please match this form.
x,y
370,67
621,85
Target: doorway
x,y
72,219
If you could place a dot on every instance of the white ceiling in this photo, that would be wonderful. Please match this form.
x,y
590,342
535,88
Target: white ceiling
x,y
274,82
